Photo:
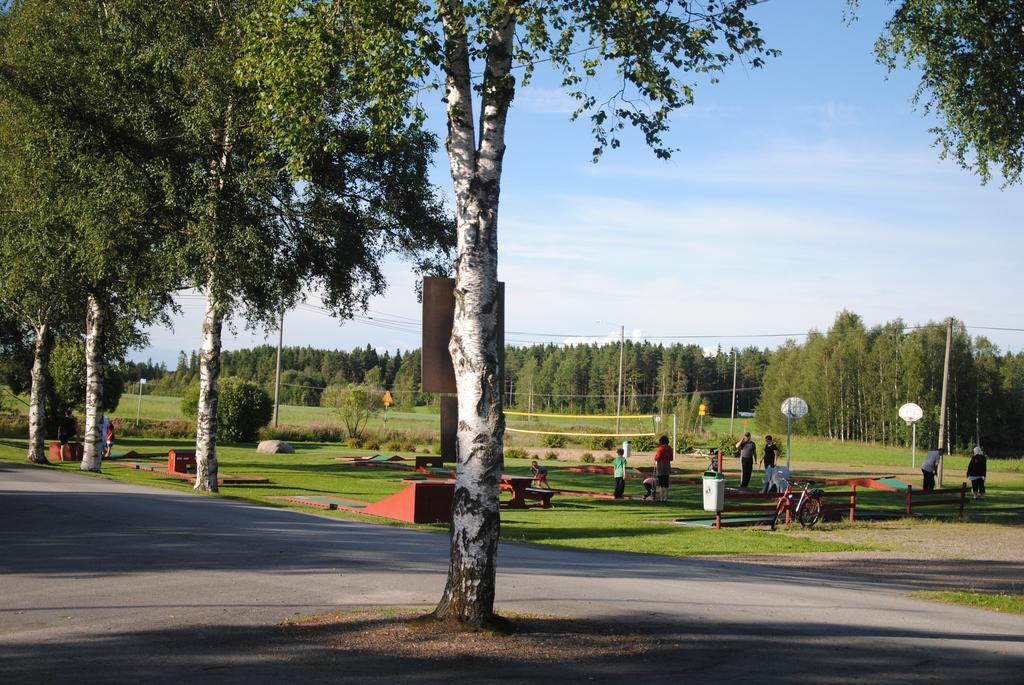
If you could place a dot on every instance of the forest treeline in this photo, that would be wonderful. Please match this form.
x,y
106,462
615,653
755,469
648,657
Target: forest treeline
x,y
853,377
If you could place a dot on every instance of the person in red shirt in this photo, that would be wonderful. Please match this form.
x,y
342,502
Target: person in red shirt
x,y
663,467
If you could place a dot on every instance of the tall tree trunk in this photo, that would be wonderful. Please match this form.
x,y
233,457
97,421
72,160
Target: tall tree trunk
x,y
92,455
36,408
469,593
206,414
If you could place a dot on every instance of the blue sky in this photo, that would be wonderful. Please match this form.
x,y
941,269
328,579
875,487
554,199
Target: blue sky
x,y
799,190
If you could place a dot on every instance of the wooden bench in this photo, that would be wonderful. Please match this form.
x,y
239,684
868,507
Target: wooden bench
x,y
931,498
542,494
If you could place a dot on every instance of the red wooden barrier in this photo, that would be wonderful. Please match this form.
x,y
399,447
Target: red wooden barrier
x,y
179,461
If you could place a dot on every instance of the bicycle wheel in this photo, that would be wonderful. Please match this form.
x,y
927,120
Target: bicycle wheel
x,y
810,513
779,508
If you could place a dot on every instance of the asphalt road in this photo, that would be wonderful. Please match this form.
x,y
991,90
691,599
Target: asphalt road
x,y
103,581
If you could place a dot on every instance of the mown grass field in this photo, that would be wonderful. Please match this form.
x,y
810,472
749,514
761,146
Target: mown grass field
x,y
164,408
629,525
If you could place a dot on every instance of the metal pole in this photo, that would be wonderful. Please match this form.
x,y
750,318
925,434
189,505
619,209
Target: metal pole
x,y
674,426
277,374
138,409
945,386
913,445
789,446
732,412
618,399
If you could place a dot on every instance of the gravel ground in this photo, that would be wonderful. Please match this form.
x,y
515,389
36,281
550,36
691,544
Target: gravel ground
x,y
923,555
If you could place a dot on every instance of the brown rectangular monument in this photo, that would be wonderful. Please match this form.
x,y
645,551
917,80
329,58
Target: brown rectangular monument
x,y
437,372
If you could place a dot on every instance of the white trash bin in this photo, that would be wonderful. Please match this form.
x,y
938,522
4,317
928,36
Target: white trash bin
x,y
714,491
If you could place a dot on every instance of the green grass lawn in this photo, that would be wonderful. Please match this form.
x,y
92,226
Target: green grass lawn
x,y
1010,604
626,525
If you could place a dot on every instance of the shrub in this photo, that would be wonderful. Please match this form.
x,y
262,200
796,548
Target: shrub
x,y
190,401
373,444
242,409
534,456
354,442
727,444
644,443
551,456
554,440
515,453
587,458
357,404
151,428
392,446
13,426
408,447
598,443
584,456
314,432
607,459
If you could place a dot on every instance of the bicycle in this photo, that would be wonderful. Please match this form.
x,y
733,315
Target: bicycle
x,y
809,508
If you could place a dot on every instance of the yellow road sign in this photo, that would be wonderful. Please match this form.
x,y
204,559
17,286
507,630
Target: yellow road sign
x,y
703,410
388,400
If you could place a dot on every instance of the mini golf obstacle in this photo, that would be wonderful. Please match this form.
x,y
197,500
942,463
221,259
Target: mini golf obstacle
x,y
182,464
73,452
419,502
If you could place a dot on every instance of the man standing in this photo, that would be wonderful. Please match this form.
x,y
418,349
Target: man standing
x,y
748,452
930,467
771,453
663,467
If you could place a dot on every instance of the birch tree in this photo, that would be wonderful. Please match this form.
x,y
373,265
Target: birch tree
x,y
35,286
655,54
77,103
970,56
276,215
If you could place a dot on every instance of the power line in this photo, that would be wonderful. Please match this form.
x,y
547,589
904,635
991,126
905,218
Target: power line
x,y
407,324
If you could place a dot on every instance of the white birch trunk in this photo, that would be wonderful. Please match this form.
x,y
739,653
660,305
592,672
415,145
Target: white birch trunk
x,y
92,454
469,593
37,397
206,415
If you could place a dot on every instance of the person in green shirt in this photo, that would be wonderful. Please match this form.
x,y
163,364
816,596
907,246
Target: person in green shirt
x,y
620,473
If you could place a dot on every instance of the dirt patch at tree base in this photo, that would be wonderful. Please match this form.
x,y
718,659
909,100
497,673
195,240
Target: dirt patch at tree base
x,y
404,633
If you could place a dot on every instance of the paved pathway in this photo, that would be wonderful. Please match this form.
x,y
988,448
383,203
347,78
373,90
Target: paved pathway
x,y
103,581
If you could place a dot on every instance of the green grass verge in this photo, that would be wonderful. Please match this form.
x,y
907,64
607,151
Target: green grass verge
x,y
1010,604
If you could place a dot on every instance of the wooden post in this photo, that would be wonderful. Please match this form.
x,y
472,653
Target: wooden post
x,y
853,501
963,499
910,510
718,520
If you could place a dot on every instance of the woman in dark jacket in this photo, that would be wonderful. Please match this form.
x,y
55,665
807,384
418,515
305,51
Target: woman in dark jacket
x,y
977,470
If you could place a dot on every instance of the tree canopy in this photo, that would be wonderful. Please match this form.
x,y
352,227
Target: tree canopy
x,y
971,57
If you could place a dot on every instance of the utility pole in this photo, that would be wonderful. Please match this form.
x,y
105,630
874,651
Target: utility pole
x,y
618,398
277,375
943,438
732,412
